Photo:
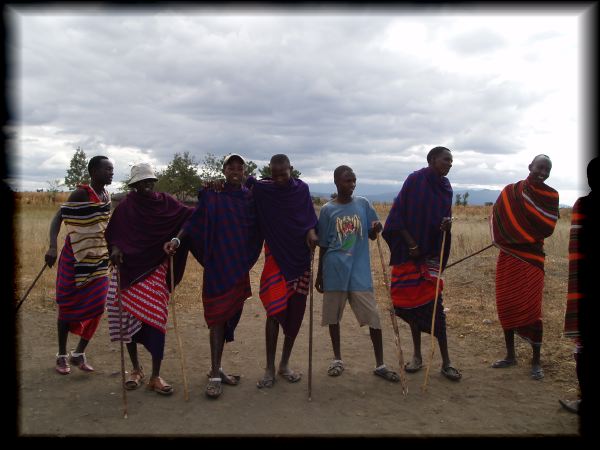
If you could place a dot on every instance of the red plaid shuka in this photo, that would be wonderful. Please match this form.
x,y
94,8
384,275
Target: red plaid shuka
x,y
414,285
275,290
523,216
576,257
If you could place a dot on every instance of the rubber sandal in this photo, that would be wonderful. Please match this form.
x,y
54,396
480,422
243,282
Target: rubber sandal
x,y
537,373
229,379
504,363
335,368
452,373
386,374
408,367
266,382
214,388
291,376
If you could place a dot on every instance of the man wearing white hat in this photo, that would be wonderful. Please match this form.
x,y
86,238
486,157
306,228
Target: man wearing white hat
x,y
135,234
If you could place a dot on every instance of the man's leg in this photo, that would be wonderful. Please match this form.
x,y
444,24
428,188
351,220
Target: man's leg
x,y
377,341
271,335
133,355
217,342
417,359
334,333
63,333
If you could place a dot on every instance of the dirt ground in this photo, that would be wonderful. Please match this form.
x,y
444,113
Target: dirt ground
x,y
486,402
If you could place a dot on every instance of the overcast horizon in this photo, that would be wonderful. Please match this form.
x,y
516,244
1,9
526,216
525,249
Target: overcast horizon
x,y
372,88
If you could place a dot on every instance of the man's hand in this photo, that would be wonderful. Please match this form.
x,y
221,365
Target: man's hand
x,y
312,239
376,227
50,256
319,282
214,185
116,256
446,224
171,247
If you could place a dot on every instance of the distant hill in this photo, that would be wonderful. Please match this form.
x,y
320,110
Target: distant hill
x,y
476,196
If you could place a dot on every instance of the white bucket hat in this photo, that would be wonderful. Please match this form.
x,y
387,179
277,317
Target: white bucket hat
x,y
233,155
142,171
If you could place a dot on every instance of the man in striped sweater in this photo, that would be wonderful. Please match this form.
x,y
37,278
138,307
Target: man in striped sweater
x,y
82,274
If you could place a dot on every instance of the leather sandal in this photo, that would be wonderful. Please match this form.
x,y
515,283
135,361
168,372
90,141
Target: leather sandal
x,y
134,380
158,385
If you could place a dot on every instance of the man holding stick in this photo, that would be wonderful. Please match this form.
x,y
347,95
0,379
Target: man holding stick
x,y
413,231
139,226
226,241
82,274
287,220
344,273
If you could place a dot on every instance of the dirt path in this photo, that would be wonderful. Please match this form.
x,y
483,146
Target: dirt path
x,y
486,402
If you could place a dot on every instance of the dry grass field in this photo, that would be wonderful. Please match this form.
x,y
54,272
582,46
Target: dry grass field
x,y
468,299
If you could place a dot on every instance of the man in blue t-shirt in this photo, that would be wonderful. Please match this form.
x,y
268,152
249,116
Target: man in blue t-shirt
x,y
344,272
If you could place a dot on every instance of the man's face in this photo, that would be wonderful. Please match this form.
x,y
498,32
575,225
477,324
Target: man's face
x,y
346,183
281,173
539,169
145,187
104,173
234,172
442,163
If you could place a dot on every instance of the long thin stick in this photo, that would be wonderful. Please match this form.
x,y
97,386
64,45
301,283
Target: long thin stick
x,y
467,257
437,287
30,288
181,358
394,321
121,342
310,327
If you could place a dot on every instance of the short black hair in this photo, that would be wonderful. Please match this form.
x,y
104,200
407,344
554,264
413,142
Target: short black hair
x,y
541,155
592,167
435,152
95,163
280,158
340,170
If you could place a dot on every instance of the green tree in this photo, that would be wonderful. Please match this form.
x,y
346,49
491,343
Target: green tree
x,y
77,172
265,172
458,201
180,178
465,199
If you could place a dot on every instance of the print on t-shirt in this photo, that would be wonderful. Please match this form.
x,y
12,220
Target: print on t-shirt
x,y
348,228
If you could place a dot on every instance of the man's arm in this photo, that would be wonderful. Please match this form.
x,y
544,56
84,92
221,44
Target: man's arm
x,y
319,280
79,195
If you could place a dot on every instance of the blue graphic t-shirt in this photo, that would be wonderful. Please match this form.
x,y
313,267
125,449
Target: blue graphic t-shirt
x,y
344,231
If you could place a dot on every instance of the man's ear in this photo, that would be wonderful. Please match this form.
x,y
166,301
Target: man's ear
x,y
529,166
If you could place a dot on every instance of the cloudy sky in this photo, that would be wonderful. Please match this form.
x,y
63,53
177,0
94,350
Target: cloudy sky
x,y
372,88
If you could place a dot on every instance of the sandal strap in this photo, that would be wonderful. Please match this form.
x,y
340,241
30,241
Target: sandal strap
x,y
215,379
62,356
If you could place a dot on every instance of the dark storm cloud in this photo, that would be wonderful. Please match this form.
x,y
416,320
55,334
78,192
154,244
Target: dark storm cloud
x,y
319,88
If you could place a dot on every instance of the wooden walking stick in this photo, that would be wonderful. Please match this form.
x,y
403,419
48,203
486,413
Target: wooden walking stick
x,y
437,286
394,320
310,327
121,342
181,358
30,288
